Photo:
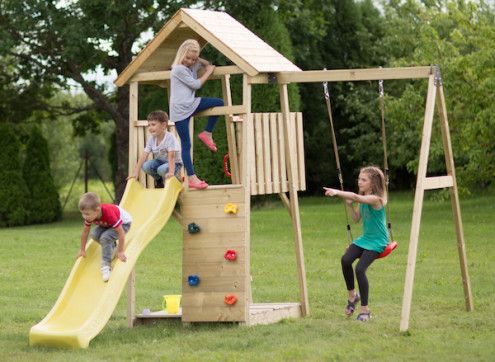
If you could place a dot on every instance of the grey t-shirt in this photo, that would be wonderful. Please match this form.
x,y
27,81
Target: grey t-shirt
x,y
160,151
183,85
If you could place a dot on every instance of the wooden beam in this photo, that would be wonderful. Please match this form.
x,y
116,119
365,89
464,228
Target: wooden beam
x,y
165,74
454,196
344,75
133,117
418,205
294,202
131,298
230,130
439,182
246,160
222,111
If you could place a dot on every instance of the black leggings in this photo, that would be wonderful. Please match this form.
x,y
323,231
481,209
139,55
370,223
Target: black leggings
x,y
366,257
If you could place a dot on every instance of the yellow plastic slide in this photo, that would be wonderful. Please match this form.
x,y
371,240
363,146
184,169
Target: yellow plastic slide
x,y
86,302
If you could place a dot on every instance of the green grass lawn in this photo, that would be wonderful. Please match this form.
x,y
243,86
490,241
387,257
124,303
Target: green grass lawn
x,y
36,260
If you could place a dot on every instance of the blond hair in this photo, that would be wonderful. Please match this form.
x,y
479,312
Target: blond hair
x,y
189,45
377,181
159,116
89,201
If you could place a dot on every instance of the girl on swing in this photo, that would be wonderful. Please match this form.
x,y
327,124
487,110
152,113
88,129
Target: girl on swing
x,y
372,199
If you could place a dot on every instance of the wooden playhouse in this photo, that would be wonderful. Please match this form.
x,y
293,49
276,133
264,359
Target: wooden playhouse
x,y
267,157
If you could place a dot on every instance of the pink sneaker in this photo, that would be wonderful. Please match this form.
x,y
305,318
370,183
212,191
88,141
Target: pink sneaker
x,y
207,141
201,185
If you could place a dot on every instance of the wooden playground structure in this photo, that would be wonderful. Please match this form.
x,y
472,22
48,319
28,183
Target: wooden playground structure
x,y
267,157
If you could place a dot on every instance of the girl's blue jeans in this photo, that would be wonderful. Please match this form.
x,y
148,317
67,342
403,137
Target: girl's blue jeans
x,y
159,169
182,128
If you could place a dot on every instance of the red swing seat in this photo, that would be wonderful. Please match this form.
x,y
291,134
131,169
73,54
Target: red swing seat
x,y
388,249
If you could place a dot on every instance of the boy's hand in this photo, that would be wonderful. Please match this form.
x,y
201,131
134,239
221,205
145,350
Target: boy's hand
x,y
81,253
121,256
131,176
330,192
169,175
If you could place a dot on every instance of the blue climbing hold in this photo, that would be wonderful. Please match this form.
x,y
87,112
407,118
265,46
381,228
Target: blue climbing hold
x,y
193,280
193,228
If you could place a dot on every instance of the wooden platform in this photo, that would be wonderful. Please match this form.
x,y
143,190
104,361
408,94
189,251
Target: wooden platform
x,y
261,313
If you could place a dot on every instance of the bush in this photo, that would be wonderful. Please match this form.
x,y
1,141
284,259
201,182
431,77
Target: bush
x,y
14,195
44,205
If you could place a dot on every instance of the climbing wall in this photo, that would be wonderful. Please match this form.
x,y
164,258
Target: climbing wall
x,y
215,265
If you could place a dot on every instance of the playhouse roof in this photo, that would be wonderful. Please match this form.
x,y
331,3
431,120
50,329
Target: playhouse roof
x,y
227,35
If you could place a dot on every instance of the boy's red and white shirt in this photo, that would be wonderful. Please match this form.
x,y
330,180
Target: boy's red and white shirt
x,y
112,216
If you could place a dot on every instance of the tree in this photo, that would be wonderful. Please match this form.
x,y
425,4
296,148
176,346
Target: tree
x,y
459,36
44,203
14,195
57,42
337,34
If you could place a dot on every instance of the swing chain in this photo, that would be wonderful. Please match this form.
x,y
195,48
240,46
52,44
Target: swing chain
x,y
380,88
438,76
325,88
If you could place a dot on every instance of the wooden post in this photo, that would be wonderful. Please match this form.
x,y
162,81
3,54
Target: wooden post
x,y
294,203
245,178
133,117
230,128
418,205
454,195
131,298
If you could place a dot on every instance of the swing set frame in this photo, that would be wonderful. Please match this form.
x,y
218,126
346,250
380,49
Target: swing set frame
x,y
435,97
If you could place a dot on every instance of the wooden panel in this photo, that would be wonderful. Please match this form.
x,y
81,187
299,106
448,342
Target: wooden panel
x,y
250,151
211,255
213,196
140,148
293,148
300,152
219,270
211,211
259,152
149,179
281,151
206,240
439,182
267,153
215,284
267,313
217,225
210,307
275,152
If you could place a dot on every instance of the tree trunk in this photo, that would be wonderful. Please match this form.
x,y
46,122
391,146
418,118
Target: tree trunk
x,y
122,141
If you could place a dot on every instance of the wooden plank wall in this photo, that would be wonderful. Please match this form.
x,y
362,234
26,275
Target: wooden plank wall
x,y
269,171
203,255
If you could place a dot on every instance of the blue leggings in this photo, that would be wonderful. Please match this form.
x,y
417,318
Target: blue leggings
x,y
182,128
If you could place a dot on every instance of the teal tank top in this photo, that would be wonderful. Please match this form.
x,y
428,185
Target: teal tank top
x,y
375,233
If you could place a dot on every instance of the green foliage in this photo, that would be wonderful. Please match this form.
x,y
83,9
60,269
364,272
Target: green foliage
x,y
345,34
460,37
44,203
14,195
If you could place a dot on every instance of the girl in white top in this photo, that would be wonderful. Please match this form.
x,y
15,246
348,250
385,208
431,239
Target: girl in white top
x,y
184,82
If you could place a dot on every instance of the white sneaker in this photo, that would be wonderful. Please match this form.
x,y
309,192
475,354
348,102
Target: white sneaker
x,y
105,273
